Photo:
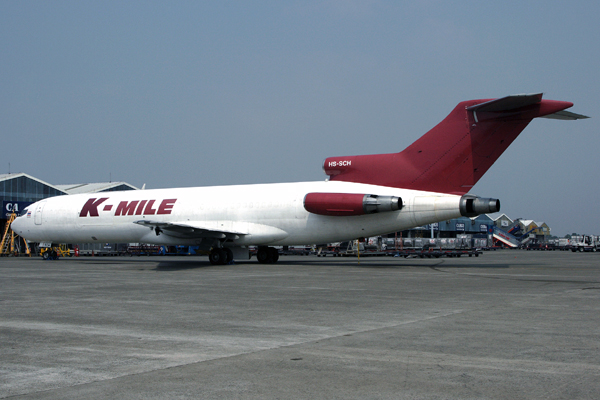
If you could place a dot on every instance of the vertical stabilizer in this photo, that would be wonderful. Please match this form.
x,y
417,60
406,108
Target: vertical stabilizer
x,y
455,154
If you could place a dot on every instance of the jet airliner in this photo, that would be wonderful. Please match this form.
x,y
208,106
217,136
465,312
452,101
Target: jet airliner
x,y
364,195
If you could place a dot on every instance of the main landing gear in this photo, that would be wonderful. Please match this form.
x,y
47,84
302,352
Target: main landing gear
x,y
224,255
220,256
267,255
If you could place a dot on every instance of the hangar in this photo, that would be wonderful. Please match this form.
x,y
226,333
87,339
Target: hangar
x,y
17,191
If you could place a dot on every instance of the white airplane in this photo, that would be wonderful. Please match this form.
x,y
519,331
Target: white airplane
x,y
364,196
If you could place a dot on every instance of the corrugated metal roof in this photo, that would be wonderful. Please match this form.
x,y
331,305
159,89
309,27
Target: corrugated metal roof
x,y
6,177
93,187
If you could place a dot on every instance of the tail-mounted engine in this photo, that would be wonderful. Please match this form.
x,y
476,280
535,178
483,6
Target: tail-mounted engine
x,y
345,204
472,206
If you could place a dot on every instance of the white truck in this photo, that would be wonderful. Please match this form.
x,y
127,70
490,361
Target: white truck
x,y
585,243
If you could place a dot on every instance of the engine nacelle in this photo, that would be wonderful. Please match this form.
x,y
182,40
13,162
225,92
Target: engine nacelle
x,y
345,204
472,206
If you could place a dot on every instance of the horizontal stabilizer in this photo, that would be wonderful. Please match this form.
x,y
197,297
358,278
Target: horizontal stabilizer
x,y
566,115
507,103
517,101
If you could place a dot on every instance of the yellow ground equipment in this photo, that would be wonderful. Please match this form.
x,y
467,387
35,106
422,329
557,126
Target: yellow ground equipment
x,y
53,253
10,240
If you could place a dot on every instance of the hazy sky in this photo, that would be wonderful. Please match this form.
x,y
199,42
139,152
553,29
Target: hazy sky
x,y
191,93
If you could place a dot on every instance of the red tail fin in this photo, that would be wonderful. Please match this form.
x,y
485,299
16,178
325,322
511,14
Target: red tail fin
x,y
455,154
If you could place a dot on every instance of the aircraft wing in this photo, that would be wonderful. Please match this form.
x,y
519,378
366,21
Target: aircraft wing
x,y
196,229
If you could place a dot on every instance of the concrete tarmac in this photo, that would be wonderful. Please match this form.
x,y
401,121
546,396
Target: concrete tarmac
x,y
505,325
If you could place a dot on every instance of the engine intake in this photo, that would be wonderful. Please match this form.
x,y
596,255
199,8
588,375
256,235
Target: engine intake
x,y
346,204
472,206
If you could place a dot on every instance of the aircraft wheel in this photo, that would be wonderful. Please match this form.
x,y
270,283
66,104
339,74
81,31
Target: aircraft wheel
x,y
263,255
267,255
228,255
274,253
217,257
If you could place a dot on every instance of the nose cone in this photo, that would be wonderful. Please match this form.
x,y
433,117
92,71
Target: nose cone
x,y
18,225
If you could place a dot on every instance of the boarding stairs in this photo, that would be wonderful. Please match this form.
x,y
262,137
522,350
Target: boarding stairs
x,y
526,238
506,238
10,240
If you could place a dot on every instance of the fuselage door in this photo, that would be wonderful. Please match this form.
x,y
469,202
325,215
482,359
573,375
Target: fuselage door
x,y
38,212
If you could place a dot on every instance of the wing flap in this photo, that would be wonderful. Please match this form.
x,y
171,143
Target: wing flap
x,y
230,230
197,229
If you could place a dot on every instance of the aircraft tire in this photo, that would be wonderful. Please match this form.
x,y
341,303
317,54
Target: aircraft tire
x,y
274,255
264,255
228,255
217,257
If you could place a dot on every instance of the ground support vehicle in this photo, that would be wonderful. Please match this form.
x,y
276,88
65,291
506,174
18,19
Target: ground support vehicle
x,y
53,253
179,250
435,253
561,244
585,243
99,249
535,245
412,248
143,250
295,251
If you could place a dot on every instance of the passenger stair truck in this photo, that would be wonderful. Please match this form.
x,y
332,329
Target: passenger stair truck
x,y
515,228
506,238
585,243
528,237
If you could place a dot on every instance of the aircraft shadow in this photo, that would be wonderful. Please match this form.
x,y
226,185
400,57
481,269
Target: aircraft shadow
x,y
181,265
391,263
477,265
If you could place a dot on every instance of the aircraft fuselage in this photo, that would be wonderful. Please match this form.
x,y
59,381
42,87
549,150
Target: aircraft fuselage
x,y
263,214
